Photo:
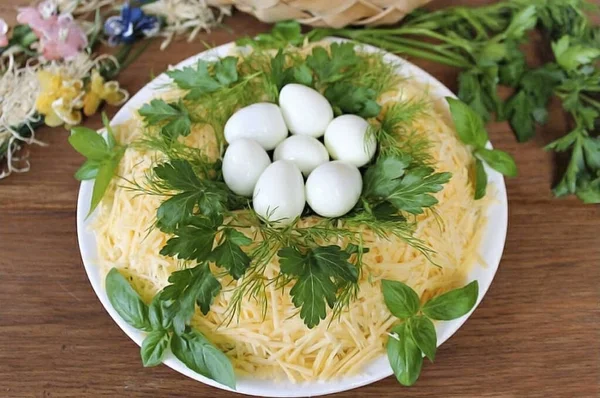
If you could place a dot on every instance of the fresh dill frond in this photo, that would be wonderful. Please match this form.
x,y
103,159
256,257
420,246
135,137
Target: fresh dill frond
x,y
396,134
177,150
374,72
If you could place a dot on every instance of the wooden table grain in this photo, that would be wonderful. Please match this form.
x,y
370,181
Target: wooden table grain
x,y
536,333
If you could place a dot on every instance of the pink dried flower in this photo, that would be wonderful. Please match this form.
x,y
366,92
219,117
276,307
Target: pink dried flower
x,y
60,36
3,32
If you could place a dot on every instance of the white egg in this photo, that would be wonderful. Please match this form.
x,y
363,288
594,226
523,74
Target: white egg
x,y
261,122
279,193
304,151
243,163
346,139
305,111
333,188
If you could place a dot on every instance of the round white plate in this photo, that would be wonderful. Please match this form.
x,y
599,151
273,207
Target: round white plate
x,y
491,249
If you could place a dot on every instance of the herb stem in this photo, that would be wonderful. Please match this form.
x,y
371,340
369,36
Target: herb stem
x,y
407,50
591,101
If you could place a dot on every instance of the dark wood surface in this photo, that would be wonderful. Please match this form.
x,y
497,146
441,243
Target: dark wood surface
x,y
536,334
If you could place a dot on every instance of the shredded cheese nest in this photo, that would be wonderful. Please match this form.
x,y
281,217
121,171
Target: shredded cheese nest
x,y
279,345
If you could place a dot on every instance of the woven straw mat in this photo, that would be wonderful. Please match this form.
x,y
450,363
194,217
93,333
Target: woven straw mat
x,y
327,13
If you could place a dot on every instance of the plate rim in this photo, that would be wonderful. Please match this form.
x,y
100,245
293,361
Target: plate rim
x,y
256,387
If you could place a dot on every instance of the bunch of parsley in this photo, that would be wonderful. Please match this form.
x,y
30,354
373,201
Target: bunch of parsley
x,y
486,44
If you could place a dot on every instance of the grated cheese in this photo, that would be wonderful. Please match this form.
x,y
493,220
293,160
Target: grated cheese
x,y
280,345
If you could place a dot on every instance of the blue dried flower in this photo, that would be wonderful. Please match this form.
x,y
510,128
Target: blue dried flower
x,y
130,25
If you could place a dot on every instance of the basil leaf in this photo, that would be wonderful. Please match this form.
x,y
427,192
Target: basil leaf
x,y
88,170
88,143
402,301
159,316
498,160
469,125
423,333
198,354
453,304
404,355
105,174
111,140
153,348
480,180
126,301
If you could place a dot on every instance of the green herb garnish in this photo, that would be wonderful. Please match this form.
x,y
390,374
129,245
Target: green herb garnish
x,y
173,118
103,157
164,331
471,131
201,81
189,194
391,180
416,335
319,274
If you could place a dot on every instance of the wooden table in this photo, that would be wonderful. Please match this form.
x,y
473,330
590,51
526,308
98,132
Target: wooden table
x,y
535,334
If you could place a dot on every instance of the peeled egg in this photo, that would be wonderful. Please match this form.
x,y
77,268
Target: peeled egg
x,y
279,193
346,139
305,111
333,188
304,151
261,122
243,163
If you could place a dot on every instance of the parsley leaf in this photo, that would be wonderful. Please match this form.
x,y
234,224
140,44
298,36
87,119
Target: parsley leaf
x,y
187,288
318,273
347,98
211,197
283,34
194,239
407,189
174,118
281,75
331,68
573,55
229,255
201,81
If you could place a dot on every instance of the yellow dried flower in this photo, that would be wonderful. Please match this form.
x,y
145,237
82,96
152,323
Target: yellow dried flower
x,y
99,90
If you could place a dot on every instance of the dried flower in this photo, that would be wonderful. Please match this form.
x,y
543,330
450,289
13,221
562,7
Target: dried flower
x,y
60,98
130,25
3,32
99,90
60,35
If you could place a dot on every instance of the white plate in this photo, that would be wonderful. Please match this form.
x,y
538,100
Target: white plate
x,y
491,250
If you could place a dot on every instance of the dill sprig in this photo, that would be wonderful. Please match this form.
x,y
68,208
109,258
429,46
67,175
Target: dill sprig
x,y
395,132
